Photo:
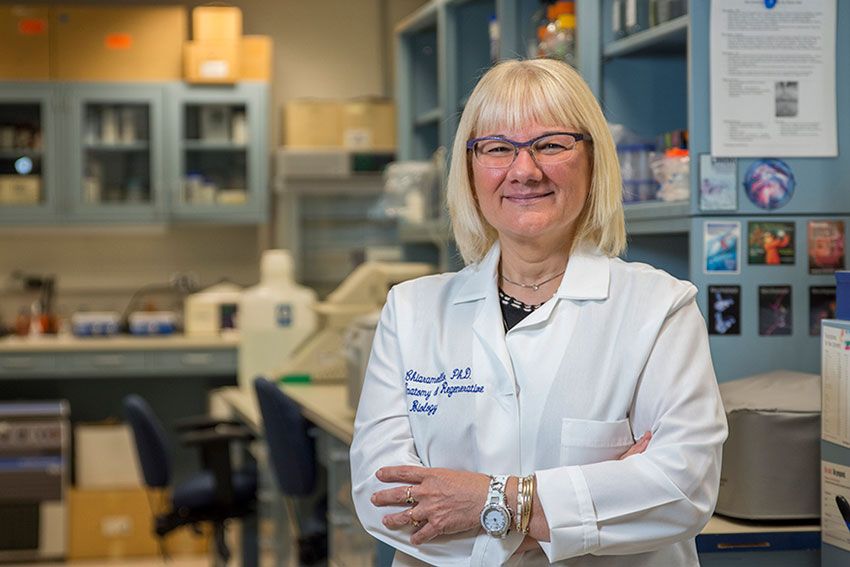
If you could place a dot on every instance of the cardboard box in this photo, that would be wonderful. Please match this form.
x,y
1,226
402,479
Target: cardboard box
x,y
216,22
118,523
24,43
211,62
105,457
313,123
369,124
20,189
256,58
130,43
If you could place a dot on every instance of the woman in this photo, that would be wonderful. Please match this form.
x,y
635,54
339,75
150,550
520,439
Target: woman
x,y
538,361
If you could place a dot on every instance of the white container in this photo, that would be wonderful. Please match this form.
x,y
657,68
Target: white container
x,y
211,311
275,318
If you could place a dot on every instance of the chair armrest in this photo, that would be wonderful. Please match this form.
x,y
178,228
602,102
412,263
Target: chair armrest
x,y
201,422
214,445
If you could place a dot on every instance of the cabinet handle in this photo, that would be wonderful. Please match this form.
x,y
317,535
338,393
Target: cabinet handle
x,y
110,360
19,363
196,359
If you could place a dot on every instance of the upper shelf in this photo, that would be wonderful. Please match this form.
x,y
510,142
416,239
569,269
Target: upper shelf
x,y
658,217
668,38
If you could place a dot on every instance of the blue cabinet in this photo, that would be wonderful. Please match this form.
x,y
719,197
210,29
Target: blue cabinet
x,y
29,167
121,153
218,169
114,144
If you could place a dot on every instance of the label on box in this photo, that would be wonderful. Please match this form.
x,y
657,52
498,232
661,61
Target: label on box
x,y
357,138
118,41
114,526
32,26
214,69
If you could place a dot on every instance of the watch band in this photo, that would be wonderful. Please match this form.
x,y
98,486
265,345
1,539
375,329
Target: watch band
x,y
497,490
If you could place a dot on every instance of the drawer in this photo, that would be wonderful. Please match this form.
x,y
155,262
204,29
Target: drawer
x,y
20,364
106,362
215,362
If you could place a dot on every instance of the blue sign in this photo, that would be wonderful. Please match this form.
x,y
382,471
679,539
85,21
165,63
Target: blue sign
x,y
283,315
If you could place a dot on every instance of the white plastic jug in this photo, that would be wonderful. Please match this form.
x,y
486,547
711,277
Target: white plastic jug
x,y
275,317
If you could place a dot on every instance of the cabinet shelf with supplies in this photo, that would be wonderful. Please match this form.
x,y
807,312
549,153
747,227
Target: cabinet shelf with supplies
x,y
132,153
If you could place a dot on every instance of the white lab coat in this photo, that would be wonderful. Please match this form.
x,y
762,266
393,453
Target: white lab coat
x,y
620,349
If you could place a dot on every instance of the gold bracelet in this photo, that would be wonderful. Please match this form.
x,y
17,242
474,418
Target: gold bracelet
x,y
527,497
528,485
520,502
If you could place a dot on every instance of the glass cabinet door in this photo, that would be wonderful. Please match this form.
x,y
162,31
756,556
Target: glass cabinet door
x,y
221,166
117,170
26,164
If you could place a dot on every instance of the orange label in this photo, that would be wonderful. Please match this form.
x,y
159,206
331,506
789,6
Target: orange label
x,y
118,41
32,26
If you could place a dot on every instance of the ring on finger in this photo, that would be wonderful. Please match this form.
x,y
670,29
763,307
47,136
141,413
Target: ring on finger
x,y
409,499
416,523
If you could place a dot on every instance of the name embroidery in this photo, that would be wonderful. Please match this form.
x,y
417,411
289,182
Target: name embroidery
x,y
424,388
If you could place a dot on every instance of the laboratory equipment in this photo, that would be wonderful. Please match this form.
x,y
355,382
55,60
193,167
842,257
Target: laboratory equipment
x,y
95,323
323,357
211,311
771,460
275,317
358,347
148,323
411,191
33,480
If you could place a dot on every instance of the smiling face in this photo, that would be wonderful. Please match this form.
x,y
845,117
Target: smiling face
x,y
528,202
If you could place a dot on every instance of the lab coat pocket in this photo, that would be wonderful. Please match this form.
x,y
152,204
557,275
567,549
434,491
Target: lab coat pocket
x,y
584,441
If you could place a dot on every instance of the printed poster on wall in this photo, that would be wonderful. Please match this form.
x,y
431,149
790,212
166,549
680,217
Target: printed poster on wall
x,y
826,246
770,243
718,183
775,310
724,310
835,504
721,247
822,304
773,78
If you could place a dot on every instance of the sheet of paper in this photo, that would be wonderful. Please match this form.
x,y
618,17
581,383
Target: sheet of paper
x,y
773,79
835,385
835,504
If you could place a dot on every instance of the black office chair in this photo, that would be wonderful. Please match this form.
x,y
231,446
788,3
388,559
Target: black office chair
x,y
216,493
292,454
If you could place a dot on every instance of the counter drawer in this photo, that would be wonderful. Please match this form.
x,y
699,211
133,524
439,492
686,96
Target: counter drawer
x,y
106,362
216,362
21,364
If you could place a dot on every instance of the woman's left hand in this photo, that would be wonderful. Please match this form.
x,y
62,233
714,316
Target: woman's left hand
x,y
446,501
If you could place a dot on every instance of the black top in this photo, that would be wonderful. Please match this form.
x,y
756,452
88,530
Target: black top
x,y
514,310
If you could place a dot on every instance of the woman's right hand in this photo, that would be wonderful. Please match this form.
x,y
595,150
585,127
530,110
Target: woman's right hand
x,y
638,447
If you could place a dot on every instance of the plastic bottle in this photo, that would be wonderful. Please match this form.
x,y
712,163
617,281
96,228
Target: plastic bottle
x,y
274,319
558,39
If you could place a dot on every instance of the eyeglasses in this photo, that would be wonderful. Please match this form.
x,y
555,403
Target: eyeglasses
x,y
548,149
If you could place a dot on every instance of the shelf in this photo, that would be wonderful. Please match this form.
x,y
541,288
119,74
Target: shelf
x,y
198,145
658,217
422,19
17,153
669,38
120,147
432,116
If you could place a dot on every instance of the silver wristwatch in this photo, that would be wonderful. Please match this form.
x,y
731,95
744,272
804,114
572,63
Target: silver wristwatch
x,y
496,516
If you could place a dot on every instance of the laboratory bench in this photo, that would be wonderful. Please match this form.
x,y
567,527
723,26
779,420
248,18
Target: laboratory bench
x,y
173,373
723,541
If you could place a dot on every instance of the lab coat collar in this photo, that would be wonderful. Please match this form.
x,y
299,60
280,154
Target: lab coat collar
x,y
587,276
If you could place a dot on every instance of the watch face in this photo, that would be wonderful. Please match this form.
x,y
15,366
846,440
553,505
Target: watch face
x,y
494,520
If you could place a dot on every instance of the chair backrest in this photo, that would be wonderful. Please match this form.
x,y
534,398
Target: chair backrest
x,y
151,441
291,449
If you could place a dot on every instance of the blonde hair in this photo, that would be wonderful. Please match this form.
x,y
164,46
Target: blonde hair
x,y
510,96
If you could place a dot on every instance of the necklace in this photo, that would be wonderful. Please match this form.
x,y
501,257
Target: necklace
x,y
533,286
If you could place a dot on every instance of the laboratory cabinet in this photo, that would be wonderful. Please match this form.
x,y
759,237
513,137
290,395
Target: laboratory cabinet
x,y
121,153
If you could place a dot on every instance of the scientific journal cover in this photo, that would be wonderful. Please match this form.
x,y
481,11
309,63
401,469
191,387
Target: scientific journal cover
x,y
770,243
